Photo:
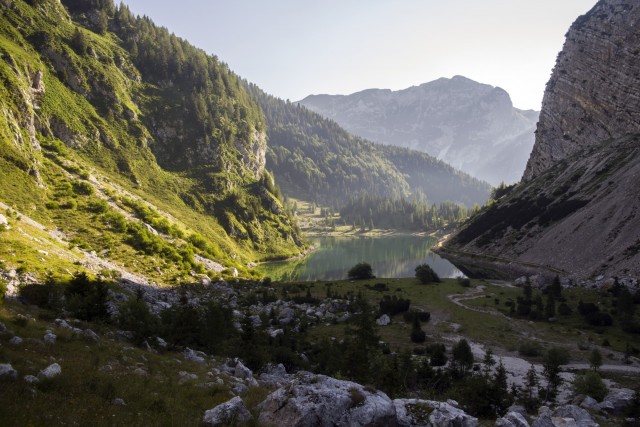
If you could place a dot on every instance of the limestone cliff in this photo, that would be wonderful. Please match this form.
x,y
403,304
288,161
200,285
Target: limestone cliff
x,y
593,92
576,212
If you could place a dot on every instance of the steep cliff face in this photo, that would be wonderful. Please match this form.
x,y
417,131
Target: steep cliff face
x,y
593,92
472,126
577,211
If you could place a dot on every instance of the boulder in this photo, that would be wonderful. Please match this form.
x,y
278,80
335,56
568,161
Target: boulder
x,y
512,419
3,328
573,412
90,336
50,372
242,371
192,356
239,389
50,337
232,412
543,420
317,400
15,340
31,379
616,401
274,376
286,316
7,371
417,412
184,376
118,401
589,403
383,320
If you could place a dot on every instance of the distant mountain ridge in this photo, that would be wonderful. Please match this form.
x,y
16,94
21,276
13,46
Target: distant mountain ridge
x,y
577,211
472,126
313,157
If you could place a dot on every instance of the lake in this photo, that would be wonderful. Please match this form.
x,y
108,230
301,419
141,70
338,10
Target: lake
x,y
390,257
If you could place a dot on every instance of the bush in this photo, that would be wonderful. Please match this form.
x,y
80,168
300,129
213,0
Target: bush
x,y
530,349
438,354
425,274
86,298
134,316
423,316
591,384
418,336
361,271
564,309
82,188
599,319
464,281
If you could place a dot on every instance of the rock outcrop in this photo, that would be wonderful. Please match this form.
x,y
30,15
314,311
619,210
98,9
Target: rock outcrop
x,y
472,126
593,93
417,412
233,412
321,401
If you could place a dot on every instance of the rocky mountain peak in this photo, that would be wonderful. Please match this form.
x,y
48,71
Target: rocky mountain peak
x,y
592,95
470,125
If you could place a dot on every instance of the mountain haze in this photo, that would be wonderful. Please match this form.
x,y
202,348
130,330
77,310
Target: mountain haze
x,y
472,126
313,157
576,214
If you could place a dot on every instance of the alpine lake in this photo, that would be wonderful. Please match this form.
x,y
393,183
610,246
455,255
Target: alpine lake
x,y
390,257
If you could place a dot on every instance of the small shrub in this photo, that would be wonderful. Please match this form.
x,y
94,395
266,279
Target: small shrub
x,y
361,271
464,282
82,188
530,349
425,274
357,397
591,384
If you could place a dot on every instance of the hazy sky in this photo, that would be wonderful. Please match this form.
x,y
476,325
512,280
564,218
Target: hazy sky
x,y
294,48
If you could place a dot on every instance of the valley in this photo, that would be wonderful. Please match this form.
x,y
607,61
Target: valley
x,y
180,247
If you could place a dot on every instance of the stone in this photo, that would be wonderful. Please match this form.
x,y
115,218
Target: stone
x,y
192,356
519,409
286,316
141,372
3,220
383,320
276,333
232,412
118,401
274,376
50,372
15,340
512,419
616,401
581,416
317,400
50,337
241,371
239,389
417,412
7,371
589,403
31,379
3,328
184,376
90,336
543,421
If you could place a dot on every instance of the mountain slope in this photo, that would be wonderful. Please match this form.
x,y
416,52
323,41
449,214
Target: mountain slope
x,y
577,213
469,125
312,156
132,143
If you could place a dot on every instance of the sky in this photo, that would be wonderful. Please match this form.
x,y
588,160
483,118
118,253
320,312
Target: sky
x,y
295,48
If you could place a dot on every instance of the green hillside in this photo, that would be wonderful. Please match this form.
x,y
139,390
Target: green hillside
x,y
131,143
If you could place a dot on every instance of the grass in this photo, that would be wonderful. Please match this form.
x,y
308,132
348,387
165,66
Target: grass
x,y
83,394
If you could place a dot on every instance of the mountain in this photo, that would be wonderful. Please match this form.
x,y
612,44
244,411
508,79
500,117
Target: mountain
x,y
472,126
313,157
130,145
576,213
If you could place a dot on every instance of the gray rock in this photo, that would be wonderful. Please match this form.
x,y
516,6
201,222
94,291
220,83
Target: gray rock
x,y
581,416
118,401
3,221
232,412
3,328
90,336
192,356
276,333
15,340
50,337
321,401
417,412
50,372
31,379
543,421
7,371
383,320
512,419
286,316
589,403
239,389
519,409
242,371
616,401
161,343
184,376
141,372
274,376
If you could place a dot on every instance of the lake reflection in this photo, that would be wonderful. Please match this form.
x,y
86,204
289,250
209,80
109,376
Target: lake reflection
x,y
390,257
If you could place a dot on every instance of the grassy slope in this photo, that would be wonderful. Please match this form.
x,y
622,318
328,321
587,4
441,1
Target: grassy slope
x,y
111,148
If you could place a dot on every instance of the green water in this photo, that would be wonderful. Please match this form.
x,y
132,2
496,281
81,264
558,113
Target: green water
x,y
390,257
